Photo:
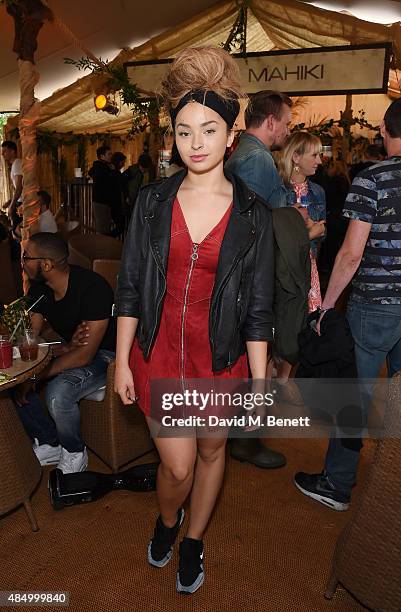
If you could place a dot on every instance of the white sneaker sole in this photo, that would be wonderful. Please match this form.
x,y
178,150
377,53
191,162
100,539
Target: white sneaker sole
x,y
326,501
163,561
188,590
81,469
51,459
168,556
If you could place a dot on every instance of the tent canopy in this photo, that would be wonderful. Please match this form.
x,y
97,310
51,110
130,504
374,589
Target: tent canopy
x,y
271,25
102,26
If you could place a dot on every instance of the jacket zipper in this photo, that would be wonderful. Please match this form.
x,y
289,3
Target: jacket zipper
x,y
238,301
194,257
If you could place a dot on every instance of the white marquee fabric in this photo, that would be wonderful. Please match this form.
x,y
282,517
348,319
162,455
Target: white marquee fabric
x,y
272,24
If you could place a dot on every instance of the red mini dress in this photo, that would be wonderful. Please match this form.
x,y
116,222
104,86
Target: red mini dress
x,y
182,346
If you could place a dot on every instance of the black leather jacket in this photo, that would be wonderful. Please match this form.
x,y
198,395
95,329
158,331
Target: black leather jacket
x,y
242,300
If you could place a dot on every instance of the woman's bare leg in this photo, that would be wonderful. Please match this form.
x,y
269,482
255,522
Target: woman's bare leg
x,y
209,472
175,475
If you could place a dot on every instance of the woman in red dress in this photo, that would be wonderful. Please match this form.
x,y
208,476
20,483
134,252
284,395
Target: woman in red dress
x,y
194,297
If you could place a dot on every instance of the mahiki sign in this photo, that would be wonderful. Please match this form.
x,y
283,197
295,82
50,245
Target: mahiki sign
x,y
301,72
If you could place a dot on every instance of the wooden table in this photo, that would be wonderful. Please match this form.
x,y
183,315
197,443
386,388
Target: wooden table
x,y
20,470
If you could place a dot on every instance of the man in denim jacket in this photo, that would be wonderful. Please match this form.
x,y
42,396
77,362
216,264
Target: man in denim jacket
x,y
267,118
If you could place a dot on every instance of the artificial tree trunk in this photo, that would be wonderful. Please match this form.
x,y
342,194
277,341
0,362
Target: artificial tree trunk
x,y
28,118
29,16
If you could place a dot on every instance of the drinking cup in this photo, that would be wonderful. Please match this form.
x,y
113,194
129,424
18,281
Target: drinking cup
x,y
28,346
6,352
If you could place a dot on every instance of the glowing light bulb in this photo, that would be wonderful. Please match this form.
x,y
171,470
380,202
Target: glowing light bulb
x,y
100,101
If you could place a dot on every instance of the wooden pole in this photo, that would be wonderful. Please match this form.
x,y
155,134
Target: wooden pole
x,y
29,16
28,118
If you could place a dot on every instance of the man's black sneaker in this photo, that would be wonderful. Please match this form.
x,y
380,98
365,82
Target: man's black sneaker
x,y
319,488
190,575
161,545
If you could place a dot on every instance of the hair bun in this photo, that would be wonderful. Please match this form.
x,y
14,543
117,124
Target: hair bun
x,y
201,68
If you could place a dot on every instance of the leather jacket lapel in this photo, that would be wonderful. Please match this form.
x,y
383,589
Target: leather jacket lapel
x,y
240,232
159,220
239,237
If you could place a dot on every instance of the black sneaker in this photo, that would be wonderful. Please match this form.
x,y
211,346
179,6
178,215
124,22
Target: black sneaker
x,y
190,575
161,545
319,488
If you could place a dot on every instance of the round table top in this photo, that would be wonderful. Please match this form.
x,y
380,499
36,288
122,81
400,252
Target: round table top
x,y
22,370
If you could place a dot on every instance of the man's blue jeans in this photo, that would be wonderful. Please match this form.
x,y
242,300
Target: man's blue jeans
x,y
36,421
376,329
62,396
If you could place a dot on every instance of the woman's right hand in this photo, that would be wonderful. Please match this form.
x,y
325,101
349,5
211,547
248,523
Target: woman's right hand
x,y
124,384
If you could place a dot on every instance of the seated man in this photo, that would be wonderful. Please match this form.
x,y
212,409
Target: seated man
x,y
65,297
46,221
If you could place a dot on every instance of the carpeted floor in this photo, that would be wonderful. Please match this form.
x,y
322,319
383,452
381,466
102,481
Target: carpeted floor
x,y
268,548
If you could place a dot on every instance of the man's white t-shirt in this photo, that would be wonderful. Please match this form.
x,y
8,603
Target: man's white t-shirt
x,y
16,170
47,222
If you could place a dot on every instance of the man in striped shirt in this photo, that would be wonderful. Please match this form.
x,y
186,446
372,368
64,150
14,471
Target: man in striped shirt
x,y
371,256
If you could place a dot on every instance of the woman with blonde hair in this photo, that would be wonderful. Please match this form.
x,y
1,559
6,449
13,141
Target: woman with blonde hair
x,y
299,159
194,295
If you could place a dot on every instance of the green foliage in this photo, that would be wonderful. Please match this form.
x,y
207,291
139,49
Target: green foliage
x,y
16,314
4,118
48,142
118,81
51,142
324,129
